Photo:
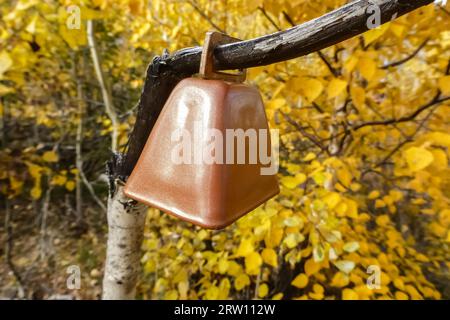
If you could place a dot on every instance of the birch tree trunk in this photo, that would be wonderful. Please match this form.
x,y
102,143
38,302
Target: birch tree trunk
x,y
126,220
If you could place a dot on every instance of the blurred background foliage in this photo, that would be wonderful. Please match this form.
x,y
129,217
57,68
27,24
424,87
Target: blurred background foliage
x,y
364,154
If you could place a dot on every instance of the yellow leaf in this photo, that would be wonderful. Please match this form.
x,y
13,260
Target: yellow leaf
x,y
263,290
345,266
293,239
252,263
352,209
171,295
349,294
358,95
278,296
374,34
344,176
4,90
318,253
336,87
440,159
50,156
15,184
224,288
34,170
311,267
367,67
292,182
59,180
5,62
374,194
398,29
270,257
276,103
223,265
332,200
245,248
317,288
380,204
310,156
444,84
382,220
351,63
136,7
70,185
340,280
351,246
273,237
300,281
241,281
439,138
312,88
418,158
401,295
341,209
36,192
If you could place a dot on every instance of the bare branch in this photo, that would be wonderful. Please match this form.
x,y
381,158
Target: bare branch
x,y
109,108
302,130
411,56
205,16
436,100
268,17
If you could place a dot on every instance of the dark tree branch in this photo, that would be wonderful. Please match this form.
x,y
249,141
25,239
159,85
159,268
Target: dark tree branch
x,y
321,55
307,135
407,140
272,22
445,10
411,56
436,100
205,16
165,72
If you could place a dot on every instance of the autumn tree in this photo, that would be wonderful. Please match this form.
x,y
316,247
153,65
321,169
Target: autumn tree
x,y
364,141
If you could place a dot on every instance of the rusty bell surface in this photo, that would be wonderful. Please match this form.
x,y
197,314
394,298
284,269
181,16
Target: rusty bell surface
x,y
203,161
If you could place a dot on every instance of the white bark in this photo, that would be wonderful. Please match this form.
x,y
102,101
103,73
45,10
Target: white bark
x,y
107,100
126,221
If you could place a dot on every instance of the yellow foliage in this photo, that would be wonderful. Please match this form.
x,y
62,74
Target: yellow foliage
x,y
300,281
358,187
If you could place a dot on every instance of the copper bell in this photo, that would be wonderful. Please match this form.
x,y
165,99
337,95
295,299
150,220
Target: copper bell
x,y
173,173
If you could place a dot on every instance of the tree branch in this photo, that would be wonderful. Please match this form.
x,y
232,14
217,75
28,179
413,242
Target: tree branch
x,y
436,100
165,72
411,56
272,22
205,16
109,107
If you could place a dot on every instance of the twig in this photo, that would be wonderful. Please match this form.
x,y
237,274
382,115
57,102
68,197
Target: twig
x,y
408,139
268,17
321,55
411,56
9,244
436,100
302,130
200,12
91,190
109,108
